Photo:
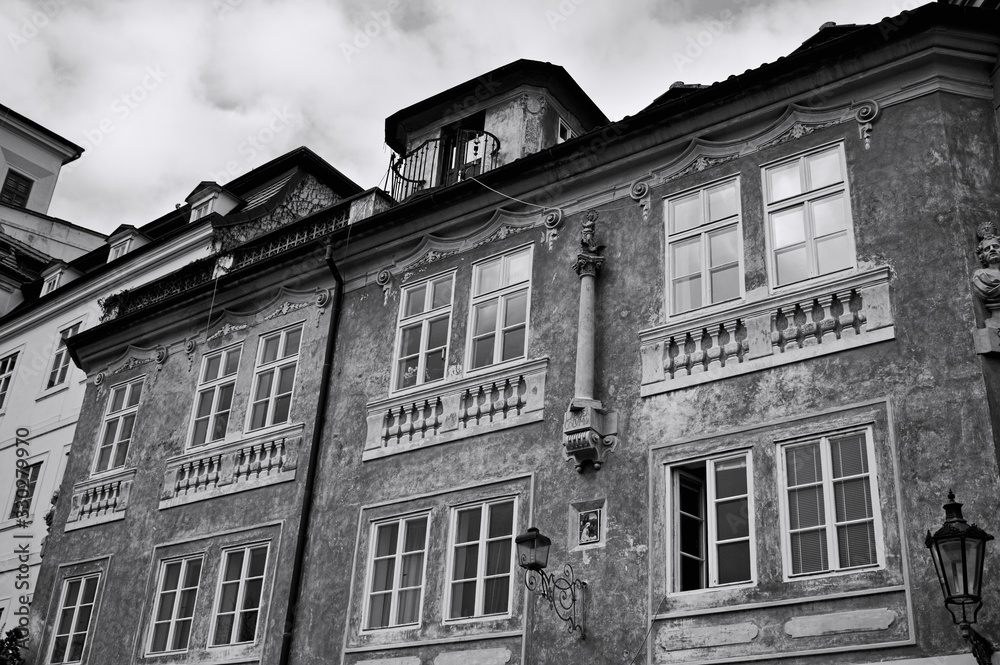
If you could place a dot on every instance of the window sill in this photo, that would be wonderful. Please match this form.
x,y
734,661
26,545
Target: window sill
x,y
443,412
54,390
267,457
100,500
761,333
17,522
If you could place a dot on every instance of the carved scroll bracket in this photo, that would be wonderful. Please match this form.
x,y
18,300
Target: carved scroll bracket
x,y
868,111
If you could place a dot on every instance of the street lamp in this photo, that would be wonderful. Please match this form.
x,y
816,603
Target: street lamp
x,y
959,551
565,594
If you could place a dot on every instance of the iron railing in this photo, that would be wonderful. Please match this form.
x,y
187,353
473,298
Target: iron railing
x,y
444,161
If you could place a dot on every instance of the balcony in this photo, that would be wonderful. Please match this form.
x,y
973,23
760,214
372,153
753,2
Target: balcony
x,y
444,161
100,500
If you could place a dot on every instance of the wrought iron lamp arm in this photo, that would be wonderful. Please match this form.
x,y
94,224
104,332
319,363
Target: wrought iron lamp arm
x,y
565,595
982,648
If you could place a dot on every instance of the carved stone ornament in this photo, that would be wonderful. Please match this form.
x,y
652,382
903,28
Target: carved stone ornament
x,y
189,349
986,286
589,261
99,379
589,434
504,231
286,308
640,192
384,279
702,162
867,112
552,221
227,329
132,363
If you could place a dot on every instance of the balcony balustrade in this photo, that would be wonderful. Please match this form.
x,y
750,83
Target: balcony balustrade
x,y
444,161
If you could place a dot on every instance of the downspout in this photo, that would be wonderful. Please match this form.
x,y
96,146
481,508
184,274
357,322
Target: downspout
x,y
307,499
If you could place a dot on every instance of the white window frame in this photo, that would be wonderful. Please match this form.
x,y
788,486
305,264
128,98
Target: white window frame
x,y
483,541
673,472
82,579
425,319
804,199
214,385
569,134
501,294
31,186
32,463
8,363
60,367
703,231
115,419
172,622
397,556
51,282
261,368
240,596
830,523
119,249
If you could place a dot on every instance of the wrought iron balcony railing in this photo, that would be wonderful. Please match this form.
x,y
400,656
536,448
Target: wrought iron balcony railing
x,y
444,161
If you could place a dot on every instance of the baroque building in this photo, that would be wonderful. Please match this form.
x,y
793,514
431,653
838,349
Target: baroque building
x,y
701,348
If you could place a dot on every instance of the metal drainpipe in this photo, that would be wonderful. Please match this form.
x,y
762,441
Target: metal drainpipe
x,y
307,499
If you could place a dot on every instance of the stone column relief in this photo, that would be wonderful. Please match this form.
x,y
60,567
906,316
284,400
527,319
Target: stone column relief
x,y
986,286
589,431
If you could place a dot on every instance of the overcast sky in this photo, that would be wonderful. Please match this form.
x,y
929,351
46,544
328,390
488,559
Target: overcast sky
x,y
165,94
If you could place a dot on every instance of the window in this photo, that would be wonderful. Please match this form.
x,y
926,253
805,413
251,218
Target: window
x,y
239,599
76,610
565,133
119,249
51,283
60,362
424,327
215,396
16,189
6,375
703,247
712,514
499,313
118,426
178,590
397,572
201,210
831,518
275,377
482,556
809,218
27,480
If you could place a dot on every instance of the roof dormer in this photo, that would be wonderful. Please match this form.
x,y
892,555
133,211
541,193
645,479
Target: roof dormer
x,y
209,197
56,275
492,120
123,240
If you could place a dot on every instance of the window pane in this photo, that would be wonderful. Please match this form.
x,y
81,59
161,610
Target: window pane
x,y
385,541
442,293
414,300
286,379
685,257
134,393
805,507
685,213
692,536
232,362
415,535
257,415
497,591
809,552
437,333
171,576
409,340
193,573
409,607
181,634
722,247
270,351
264,385
516,308
223,629
468,525
731,478
463,599
513,344
378,613
227,602
212,366
482,352
734,562
89,591
687,294
159,637
434,366
792,265
856,544
731,519
725,284
488,278
248,626
251,594
501,519
292,340
803,464
204,406
485,318
519,268
258,556
692,574
411,570
849,456
853,499
166,606
789,227
225,397
466,562
498,557
828,215
833,253
722,201
117,399
784,181
234,565
824,169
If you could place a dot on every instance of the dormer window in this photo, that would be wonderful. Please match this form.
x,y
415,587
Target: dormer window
x,y
16,188
119,249
565,133
51,283
201,210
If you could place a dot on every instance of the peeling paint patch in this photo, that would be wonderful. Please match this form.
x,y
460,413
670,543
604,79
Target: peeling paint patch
x,y
409,660
474,657
712,636
840,622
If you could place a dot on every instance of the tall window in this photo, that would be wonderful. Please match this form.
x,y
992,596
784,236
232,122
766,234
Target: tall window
x,y
499,313
480,583
178,590
809,216
214,402
239,599
712,523
119,249
118,425
703,247
16,189
60,361
24,492
424,325
275,377
51,283
397,572
832,513
6,376
75,611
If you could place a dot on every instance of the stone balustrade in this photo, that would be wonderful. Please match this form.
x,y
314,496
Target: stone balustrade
x,y
231,467
778,329
457,408
100,500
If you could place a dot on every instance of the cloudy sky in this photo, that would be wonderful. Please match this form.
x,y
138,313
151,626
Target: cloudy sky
x,y
165,94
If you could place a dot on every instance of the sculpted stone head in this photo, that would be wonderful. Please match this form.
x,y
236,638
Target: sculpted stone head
x,y
988,249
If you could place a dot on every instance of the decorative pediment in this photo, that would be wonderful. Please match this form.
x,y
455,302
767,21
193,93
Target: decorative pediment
x,y
132,357
285,301
502,224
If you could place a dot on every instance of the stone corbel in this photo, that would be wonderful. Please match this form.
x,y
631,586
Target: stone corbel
x,y
589,434
866,115
639,191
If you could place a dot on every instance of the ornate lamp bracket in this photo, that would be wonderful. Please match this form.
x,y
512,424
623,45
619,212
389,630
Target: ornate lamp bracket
x,y
565,595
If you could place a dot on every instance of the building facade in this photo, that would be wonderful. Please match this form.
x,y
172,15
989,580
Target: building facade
x,y
701,348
